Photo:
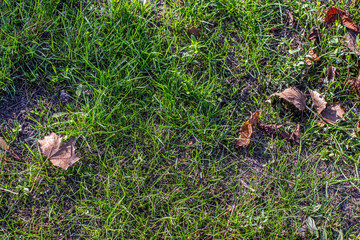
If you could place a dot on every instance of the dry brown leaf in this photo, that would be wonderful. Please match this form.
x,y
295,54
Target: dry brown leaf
x,y
333,113
294,96
247,128
60,154
330,74
349,23
245,134
311,57
319,102
351,41
3,144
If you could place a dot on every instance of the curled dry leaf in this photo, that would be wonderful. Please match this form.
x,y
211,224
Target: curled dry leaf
x,y
352,42
333,113
294,96
3,144
319,102
247,128
60,154
332,15
311,57
348,22
330,74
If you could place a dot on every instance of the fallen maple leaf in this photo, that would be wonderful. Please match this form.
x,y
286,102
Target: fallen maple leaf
x,y
332,14
311,57
60,154
333,114
319,102
294,96
348,22
351,41
247,128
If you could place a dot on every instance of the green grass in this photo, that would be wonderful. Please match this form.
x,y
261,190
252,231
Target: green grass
x,y
156,111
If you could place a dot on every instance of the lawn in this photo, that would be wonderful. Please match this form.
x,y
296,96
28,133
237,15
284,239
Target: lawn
x,y
161,98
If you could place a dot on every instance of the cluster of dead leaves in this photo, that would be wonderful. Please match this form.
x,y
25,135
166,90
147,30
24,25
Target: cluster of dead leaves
x,y
334,14
330,114
247,129
331,16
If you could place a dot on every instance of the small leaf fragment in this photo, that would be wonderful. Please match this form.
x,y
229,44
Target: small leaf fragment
x,y
333,113
311,58
294,96
247,129
3,144
319,102
60,154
